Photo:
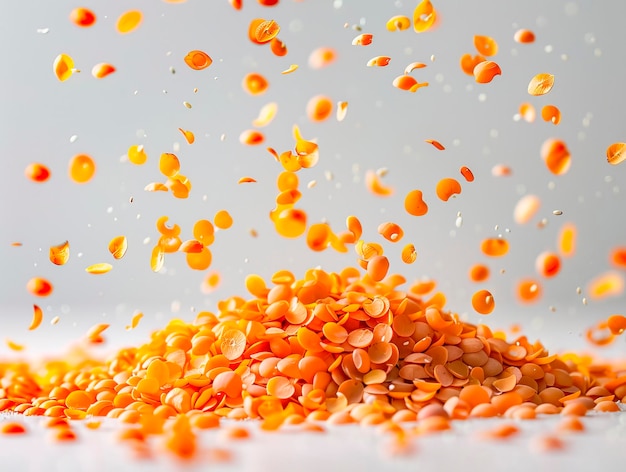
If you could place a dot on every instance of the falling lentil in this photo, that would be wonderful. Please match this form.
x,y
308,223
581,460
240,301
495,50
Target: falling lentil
x,y
60,254
541,84
82,168
198,60
82,17
37,172
129,21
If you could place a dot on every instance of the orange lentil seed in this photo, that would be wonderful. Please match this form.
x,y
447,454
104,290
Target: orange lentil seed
x,y
37,318
82,17
198,60
528,290
447,188
322,57
551,113
102,69
39,287
63,67
486,45
222,220
524,36
483,302
137,154
467,174
526,208
556,156
479,273
129,21
468,63
37,172
616,153
485,71
548,264
60,254
82,168
540,84
424,16
319,108
494,247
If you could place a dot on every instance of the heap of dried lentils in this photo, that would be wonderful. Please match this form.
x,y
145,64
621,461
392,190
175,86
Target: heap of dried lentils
x,y
335,348
332,347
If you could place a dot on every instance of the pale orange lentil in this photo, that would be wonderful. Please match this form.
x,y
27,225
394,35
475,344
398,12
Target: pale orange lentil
x,y
479,273
39,287
540,84
391,231
318,236
364,39
10,427
291,223
255,84
485,45
375,186
524,36
377,268
82,17
137,154
99,268
468,62
379,61
414,65
436,144
448,188
102,69
198,60
607,284
408,83
63,67
616,153
82,168
398,23
189,136
319,108
548,264
527,112
37,172
617,256
494,247
251,137
129,21
222,220
528,290
118,246
424,16
467,174
199,260
483,302
485,71
551,113
414,203
278,47
322,57
617,324
526,208
567,240
266,30
59,254
37,318
409,254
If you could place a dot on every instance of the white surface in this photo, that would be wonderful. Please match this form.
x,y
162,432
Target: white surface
x,y
341,448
